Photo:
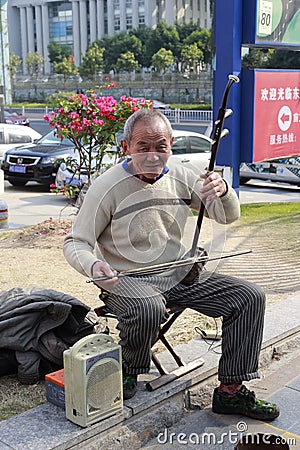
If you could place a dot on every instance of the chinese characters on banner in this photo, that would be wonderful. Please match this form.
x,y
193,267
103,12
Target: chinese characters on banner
x,y
276,115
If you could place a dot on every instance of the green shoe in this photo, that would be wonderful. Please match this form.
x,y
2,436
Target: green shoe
x,y
129,385
244,402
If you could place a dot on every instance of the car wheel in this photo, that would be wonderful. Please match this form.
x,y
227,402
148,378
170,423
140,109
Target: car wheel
x,y
244,180
15,182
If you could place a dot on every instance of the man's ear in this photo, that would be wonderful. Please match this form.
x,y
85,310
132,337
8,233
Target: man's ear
x,y
124,147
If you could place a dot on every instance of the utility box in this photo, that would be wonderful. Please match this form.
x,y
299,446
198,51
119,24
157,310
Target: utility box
x,y
93,380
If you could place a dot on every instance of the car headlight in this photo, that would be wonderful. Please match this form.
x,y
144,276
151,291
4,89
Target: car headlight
x,y
53,159
63,166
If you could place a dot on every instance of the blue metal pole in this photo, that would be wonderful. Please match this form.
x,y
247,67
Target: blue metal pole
x,y
228,60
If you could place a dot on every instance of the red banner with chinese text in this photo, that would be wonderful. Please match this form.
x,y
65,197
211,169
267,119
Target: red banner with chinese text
x,y
276,115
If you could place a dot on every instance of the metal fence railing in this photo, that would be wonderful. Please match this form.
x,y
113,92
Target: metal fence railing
x,y
174,115
186,115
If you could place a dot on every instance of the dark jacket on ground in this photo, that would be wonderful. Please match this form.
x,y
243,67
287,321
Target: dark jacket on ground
x,y
36,326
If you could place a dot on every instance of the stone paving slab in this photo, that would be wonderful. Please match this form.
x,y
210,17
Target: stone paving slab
x,y
295,384
46,427
220,432
288,401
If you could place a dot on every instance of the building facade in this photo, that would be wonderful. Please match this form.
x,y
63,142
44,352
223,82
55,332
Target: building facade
x,y
78,23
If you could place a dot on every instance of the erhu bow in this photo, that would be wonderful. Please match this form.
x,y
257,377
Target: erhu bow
x,y
159,268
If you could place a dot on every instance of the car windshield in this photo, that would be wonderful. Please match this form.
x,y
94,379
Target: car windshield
x,y
51,139
11,113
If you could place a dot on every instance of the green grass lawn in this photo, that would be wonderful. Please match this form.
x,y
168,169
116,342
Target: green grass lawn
x,y
264,213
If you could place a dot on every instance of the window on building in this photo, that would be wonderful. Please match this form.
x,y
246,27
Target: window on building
x,y
128,7
70,30
129,23
141,7
117,24
116,7
60,23
141,21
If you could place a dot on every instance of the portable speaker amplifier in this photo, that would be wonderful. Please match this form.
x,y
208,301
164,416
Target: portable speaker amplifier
x,y
93,380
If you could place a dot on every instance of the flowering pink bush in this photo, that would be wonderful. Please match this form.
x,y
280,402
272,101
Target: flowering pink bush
x,y
92,123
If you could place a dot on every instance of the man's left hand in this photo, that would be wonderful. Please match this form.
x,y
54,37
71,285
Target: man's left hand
x,y
213,186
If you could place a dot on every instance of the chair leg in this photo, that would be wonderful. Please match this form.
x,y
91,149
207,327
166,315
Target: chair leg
x,y
168,346
165,375
162,370
182,369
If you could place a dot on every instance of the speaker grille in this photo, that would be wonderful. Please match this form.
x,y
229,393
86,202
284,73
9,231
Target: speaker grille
x,y
103,386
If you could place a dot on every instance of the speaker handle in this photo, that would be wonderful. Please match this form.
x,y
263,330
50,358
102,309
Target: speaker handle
x,y
105,338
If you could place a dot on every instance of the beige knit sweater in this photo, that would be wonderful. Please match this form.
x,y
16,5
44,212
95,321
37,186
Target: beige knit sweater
x,y
130,223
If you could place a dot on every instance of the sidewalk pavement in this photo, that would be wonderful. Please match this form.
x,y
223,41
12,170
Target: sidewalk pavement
x,y
31,207
213,431
280,384
160,413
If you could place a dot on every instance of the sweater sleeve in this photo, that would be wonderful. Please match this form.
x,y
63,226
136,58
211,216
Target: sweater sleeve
x,y
92,219
224,210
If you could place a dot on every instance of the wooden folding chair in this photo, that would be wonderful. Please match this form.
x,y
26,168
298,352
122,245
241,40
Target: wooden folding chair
x,y
166,376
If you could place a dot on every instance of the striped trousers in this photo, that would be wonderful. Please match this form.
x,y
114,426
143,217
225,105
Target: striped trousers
x,y
140,305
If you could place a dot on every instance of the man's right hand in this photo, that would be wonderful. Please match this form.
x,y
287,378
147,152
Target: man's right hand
x,y
100,269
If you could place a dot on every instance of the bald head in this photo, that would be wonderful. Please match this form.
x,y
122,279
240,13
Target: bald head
x,y
147,117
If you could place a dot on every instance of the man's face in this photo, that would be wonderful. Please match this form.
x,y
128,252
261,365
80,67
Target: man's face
x,y
150,148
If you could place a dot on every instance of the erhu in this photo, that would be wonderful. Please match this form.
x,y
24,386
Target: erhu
x,y
218,132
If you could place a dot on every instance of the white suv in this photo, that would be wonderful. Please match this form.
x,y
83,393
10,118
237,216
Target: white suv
x,y
12,136
190,149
